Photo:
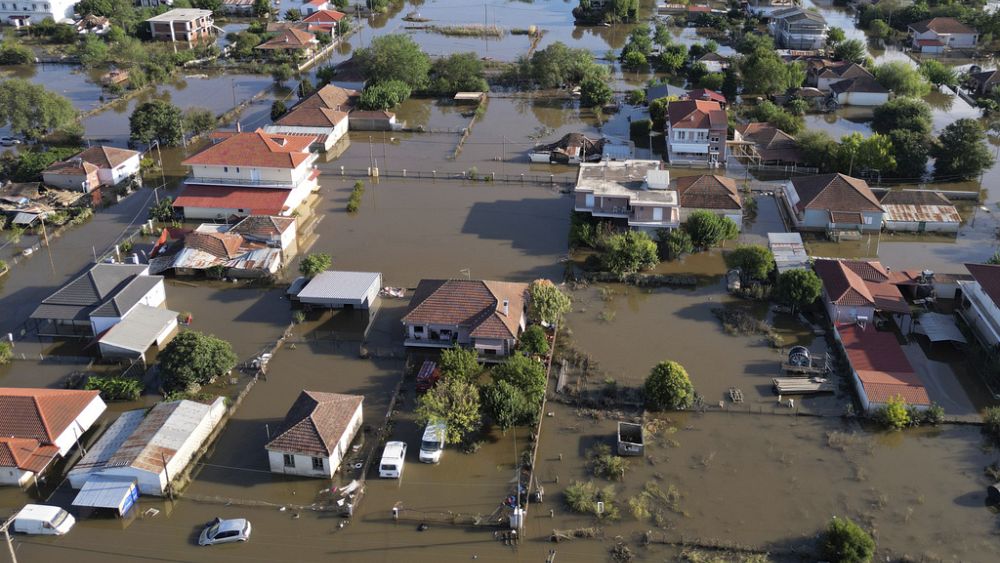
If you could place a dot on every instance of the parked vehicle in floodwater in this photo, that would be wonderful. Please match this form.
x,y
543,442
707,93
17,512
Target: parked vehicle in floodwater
x,y
432,444
41,519
391,465
225,531
428,376
630,439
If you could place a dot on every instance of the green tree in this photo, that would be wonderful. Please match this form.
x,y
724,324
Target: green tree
x,y
910,150
314,264
13,52
730,83
31,110
960,151
534,341
708,229
798,288
668,387
851,50
306,87
991,425
912,114
845,542
558,65
460,72
459,363
777,116
817,148
711,81
754,261
764,72
673,243
893,414
199,120
394,57
938,73
293,15
384,95
634,60
278,109
156,121
879,29
162,211
857,153
6,351
629,252
93,51
672,59
595,92
262,8
547,303
453,402
281,74
523,373
902,79
658,111
506,405
835,35
193,358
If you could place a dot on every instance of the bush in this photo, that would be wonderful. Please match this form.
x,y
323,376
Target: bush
x,y
845,542
674,243
115,388
629,252
384,95
193,359
506,405
707,229
313,264
534,341
523,373
13,53
459,363
607,466
595,92
454,402
991,424
6,348
894,415
354,202
583,498
668,387
798,288
754,262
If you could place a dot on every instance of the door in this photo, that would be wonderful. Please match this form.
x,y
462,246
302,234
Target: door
x,y
657,213
254,175
590,201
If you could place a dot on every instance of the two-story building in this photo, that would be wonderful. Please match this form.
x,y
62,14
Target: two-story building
x,y
938,35
979,302
709,192
249,173
20,13
94,167
696,132
182,24
487,316
636,191
323,114
798,28
831,203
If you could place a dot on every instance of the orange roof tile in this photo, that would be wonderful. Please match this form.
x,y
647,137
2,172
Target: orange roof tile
x,y
474,304
257,148
40,414
26,454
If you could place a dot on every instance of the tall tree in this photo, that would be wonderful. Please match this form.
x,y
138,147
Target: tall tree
x,y
754,261
193,358
460,363
858,153
156,121
910,150
960,151
459,72
394,57
851,51
506,405
708,229
453,402
547,303
629,252
764,72
31,110
523,373
912,114
798,288
668,387
902,79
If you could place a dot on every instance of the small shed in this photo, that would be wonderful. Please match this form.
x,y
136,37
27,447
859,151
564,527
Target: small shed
x,y
342,290
115,493
788,250
469,97
141,328
919,211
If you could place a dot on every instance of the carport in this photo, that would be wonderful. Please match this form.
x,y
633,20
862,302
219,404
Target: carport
x,y
342,290
101,491
939,328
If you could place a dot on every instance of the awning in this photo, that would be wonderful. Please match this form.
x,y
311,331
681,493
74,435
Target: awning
x,y
24,218
102,491
939,328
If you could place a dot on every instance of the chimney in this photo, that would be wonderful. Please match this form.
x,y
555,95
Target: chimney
x,y
506,308
239,128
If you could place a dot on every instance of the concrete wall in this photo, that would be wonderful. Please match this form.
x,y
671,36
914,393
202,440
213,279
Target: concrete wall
x,y
76,182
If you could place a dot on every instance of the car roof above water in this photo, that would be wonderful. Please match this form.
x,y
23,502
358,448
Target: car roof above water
x,y
234,524
394,450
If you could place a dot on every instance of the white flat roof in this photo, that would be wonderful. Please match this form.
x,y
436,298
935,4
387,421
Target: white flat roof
x,y
623,179
340,285
139,329
180,14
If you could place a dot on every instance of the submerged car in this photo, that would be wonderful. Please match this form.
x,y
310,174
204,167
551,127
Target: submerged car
x,y
9,141
225,531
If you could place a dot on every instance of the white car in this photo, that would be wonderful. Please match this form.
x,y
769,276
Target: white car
x,y
9,141
225,531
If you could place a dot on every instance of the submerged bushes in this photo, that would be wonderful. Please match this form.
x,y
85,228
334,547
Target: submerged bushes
x,y
354,202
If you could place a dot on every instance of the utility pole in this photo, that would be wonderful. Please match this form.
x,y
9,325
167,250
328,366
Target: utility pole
x,y
233,81
385,156
371,157
45,238
170,486
6,535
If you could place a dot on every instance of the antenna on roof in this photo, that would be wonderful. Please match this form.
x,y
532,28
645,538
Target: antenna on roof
x,y
466,272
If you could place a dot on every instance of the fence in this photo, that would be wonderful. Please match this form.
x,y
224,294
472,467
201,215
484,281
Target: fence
x,y
462,176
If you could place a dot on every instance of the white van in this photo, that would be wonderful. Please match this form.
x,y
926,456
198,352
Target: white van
x,y
391,466
432,444
43,519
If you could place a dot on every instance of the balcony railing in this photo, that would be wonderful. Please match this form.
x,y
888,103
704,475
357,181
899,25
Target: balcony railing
x,y
240,182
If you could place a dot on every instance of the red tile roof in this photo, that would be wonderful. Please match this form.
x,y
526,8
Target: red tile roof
x,y
260,149
262,226
473,304
26,454
315,423
220,245
40,414
835,192
708,191
696,114
941,25
322,16
332,97
860,283
289,38
106,157
305,116
256,201
881,365
706,94
988,277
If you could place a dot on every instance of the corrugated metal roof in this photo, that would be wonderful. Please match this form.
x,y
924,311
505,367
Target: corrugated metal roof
x,y
164,430
788,250
112,439
104,492
139,329
921,213
340,285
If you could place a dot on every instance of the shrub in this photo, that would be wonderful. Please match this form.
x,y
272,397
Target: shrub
x,y
674,243
607,466
894,415
547,303
668,387
583,498
629,252
506,405
384,95
313,264
454,402
115,388
523,373
534,341
459,363
991,424
354,202
708,229
845,542
6,350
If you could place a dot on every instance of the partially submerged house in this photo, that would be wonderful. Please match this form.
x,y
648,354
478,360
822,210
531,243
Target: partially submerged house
x,y
880,369
766,144
832,203
984,82
249,173
487,316
979,302
572,148
150,448
856,290
94,167
321,19
798,28
182,24
696,132
938,35
919,211
823,74
140,330
637,191
335,289
25,203
864,91
38,426
316,434
709,192
102,297
290,41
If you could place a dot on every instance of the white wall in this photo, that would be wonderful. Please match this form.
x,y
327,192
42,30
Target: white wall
x,y
58,10
156,296
14,476
865,99
90,414
303,463
113,176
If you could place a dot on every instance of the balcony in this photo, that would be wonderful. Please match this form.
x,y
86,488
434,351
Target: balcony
x,y
260,183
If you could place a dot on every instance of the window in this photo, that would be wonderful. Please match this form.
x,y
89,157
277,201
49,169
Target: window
x,y
225,169
715,139
680,135
289,460
868,220
418,330
318,463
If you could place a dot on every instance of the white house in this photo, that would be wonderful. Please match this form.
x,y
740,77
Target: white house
x,y
979,302
316,434
637,191
111,165
147,447
798,28
696,132
937,35
26,12
709,192
254,173
38,426
864,91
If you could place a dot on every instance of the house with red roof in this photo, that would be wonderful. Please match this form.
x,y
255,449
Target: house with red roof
x,y
880,369
249,173
696,131
832,203
290,40
487,316
316,434
38,426
938,35
321,20
857,290
978,302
